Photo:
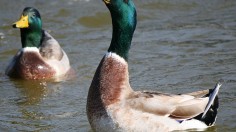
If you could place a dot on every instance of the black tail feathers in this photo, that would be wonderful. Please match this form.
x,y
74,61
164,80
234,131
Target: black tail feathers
x,y
210,114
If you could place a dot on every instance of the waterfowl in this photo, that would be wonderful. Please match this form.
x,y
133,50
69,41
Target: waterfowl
x,y
41,56
112,105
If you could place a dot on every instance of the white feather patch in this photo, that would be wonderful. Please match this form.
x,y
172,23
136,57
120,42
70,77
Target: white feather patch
x,y
30,49
116,57
193,124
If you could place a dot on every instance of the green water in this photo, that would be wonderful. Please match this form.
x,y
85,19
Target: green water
x,y
177,47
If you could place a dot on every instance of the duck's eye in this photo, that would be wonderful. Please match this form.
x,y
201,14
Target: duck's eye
x,y
126,1
33,14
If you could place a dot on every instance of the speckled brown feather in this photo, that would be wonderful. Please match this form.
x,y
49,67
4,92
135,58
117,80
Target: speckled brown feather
x,y
30,66
107,85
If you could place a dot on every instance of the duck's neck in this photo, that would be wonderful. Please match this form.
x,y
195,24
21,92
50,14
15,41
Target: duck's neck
x,y
31,38
123,29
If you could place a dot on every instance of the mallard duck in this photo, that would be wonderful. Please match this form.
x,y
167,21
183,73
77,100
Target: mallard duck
x,y
112,105
41,56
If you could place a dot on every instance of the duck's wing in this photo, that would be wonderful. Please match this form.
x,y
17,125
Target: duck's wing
x,y
199,94
211,93
174,106
50,48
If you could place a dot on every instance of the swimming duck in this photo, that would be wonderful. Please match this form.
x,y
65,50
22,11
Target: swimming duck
x,y
112,105
41,56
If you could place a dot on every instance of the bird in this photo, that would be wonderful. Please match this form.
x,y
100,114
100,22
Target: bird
x,y
112,105
41,56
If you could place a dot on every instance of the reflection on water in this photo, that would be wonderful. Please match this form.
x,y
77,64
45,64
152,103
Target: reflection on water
x,y
32,91
178,47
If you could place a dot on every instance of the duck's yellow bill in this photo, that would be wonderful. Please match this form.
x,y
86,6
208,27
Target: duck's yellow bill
x,y
107,1
22,23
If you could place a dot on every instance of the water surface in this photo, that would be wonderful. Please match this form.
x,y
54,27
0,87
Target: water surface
x,y
177,47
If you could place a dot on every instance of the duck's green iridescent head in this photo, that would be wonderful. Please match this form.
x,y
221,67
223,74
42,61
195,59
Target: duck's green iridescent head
x,y
30,25
30,18
123,12
124,21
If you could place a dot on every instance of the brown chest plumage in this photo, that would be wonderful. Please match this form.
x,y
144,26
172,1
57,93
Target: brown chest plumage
x,y
31,66
110,79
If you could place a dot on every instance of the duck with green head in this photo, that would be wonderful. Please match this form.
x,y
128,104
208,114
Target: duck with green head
x,y
112,105
41,56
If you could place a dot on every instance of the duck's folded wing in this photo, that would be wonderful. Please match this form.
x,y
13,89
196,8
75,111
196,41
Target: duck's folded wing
x,y
190,108
198,94
50,48
175,106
